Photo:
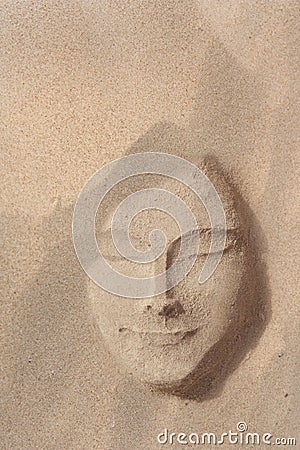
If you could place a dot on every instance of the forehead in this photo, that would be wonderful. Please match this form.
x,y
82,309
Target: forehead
x,y
148,220
152,217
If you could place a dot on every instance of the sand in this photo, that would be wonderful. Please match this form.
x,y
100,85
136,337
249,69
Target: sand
x,y
83,83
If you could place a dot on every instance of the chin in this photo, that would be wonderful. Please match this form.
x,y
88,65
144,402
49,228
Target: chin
x,y
165,375
163,367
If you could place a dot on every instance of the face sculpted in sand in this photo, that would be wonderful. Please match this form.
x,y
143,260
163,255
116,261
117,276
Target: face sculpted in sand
x,y
174,340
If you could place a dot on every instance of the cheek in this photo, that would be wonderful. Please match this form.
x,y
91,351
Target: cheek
x,y
227,286
103,307
111,312
218,298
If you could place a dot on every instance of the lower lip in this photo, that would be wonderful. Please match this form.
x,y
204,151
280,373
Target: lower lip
x,y
163,339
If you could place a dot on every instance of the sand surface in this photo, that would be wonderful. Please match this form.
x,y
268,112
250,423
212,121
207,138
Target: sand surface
x,y
82,83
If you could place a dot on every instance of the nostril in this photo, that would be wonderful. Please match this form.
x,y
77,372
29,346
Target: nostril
x,y
172,310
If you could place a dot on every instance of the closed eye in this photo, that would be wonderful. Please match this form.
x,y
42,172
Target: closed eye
x,y
232,240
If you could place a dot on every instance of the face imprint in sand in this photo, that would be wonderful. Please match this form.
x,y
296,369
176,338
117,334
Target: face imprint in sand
x,y
163,339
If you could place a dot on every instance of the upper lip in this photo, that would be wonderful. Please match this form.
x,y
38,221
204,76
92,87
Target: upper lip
x,y
181,333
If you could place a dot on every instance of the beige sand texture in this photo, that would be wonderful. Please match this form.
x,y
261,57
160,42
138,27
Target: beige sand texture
x,y
82,83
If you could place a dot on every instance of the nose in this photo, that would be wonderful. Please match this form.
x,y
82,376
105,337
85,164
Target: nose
x,y
172,310
163,306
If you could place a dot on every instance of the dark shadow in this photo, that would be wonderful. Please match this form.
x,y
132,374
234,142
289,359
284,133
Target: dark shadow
x,y
57,355
243,334
208,379
228,114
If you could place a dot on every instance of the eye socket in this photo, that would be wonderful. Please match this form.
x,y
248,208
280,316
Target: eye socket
x,y
233,239
174,248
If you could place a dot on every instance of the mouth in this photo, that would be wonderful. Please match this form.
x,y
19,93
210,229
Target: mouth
x,y
159,338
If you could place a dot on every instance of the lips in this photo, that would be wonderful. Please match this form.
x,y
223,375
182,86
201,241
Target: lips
x,y
159,338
